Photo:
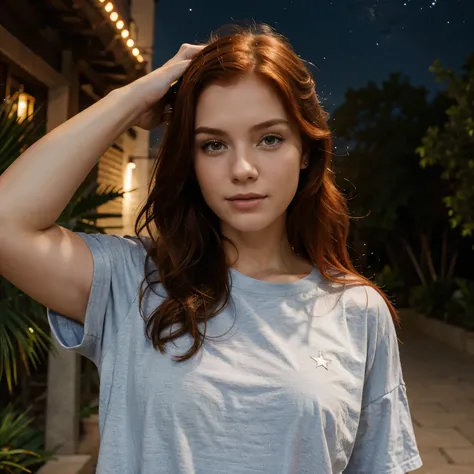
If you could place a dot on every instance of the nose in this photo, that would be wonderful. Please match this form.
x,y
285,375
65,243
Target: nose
x,y
243,169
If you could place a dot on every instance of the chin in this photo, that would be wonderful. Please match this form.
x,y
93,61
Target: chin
x,y
249,223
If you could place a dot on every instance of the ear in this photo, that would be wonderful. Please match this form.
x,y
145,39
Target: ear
x,y
304,162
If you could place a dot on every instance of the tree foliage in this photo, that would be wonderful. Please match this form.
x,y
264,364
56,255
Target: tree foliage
x,y
380,128
451,145
397,203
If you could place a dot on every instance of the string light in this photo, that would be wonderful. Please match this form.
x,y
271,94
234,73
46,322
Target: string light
x,y
124,33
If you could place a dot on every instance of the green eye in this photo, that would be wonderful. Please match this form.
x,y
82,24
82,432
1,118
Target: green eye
x,y
272,140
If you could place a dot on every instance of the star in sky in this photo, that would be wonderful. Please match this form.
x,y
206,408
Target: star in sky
x,y
345,44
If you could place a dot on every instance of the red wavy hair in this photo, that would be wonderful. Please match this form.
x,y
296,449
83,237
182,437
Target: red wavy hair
x,y
186,242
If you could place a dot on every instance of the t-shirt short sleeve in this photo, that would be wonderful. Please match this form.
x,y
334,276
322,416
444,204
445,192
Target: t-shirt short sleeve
x,y
118,270
385,441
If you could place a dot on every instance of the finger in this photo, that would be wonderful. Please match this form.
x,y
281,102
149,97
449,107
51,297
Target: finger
x,y
189,51
176,70
186,51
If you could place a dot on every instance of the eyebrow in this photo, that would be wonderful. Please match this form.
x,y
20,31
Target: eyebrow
x,y
259,126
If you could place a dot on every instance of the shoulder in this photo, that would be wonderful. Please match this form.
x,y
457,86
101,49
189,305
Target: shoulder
x,y
362,306
127,249
364,299
356,297
366,304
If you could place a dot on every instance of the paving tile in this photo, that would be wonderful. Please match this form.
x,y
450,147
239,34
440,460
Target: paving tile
x,y
459,406
432,458
441,438
466,427
446,470
440,387
429,419
461,456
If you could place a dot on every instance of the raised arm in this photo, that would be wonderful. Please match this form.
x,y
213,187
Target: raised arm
x,y
50,263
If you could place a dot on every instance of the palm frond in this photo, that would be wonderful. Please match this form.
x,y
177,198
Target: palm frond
x,y
20,444
22,339
97,197
81,212
15,137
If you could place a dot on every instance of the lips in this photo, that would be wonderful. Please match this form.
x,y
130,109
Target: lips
x,y
246,202
246,197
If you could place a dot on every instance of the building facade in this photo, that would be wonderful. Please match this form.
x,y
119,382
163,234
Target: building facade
x,y
64,55
61,56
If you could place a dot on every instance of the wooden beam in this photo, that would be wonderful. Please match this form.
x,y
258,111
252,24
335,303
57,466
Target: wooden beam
x,y
24,57
113,69
96,23
30,17
57,5
109,38
77,25
96,78
102,62
88,89
28,34
117,78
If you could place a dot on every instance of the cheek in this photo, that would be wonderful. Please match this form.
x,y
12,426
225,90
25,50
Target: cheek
x,y
208,178
285,184
286,176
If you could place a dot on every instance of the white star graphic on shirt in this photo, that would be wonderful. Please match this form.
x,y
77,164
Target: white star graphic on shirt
x,y
321,361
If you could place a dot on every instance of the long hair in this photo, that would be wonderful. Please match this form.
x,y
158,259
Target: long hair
x,y
186,242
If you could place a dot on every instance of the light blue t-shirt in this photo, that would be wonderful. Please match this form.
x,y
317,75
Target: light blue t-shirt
x,y
294,378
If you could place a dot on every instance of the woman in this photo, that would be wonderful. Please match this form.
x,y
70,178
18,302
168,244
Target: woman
x,y
261,350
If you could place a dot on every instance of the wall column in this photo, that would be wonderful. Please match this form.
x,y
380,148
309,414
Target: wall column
x,y
64,367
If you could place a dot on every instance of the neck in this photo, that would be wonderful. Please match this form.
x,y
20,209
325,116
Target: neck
x,y
263,253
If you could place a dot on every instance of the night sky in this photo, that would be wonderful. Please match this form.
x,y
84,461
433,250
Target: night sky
x,y
349,41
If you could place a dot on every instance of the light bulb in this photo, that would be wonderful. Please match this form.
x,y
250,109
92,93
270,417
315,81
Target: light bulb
x,y
130,42
135,51
109,7
125,34
140,58
114,16
120,24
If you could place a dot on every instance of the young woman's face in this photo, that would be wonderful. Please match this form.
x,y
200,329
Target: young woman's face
x,y
248,155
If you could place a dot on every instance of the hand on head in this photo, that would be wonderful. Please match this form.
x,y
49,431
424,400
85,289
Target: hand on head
x,y
150,90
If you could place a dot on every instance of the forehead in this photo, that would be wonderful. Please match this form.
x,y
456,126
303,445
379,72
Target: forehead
x,y
238,104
